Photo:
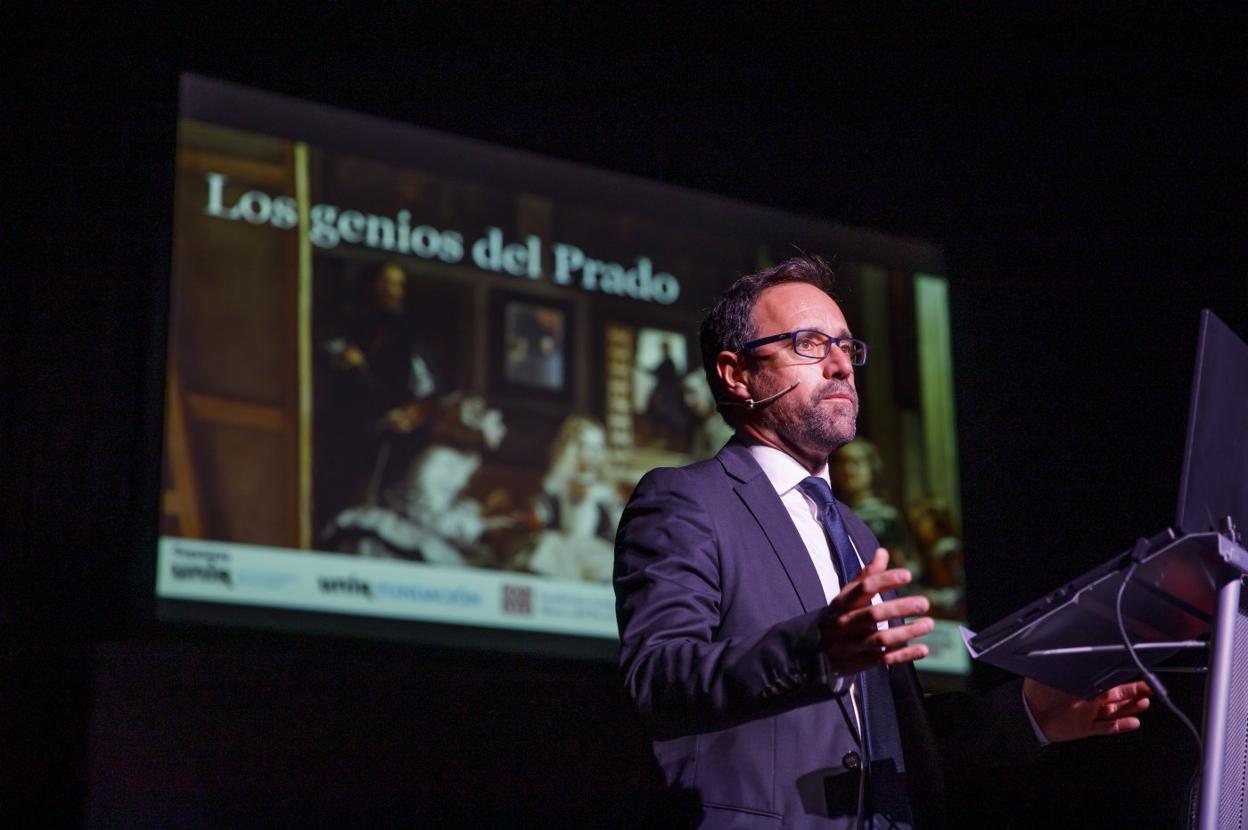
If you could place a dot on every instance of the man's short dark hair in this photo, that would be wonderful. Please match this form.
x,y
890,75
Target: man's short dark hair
x,y
729,324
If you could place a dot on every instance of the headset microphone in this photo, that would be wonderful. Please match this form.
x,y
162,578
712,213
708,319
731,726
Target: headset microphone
x,y
750,403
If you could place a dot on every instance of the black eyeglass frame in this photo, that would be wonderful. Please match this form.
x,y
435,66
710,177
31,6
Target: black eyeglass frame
x,y
860,347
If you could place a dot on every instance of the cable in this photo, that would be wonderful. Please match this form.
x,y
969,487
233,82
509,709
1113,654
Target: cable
x,y
1153,681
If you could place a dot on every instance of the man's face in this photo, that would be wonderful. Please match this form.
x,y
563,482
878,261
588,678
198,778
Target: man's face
x,y
822,413
391,288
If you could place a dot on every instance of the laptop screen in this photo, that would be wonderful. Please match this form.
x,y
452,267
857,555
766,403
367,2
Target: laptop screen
x,y
1215,463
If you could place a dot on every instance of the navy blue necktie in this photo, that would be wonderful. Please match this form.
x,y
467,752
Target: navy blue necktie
x,y
887,802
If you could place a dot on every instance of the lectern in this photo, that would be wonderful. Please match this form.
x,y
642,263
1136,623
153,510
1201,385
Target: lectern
x,y
1180,593
1179,590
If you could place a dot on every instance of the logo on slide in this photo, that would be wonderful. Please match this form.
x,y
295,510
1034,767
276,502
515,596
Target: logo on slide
x,y
201,572
350,585
201,565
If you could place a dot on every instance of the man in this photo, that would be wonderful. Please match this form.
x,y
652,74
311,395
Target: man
x,y
379,391
777,689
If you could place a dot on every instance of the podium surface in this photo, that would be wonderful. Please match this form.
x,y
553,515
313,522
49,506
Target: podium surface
x,y
1070,638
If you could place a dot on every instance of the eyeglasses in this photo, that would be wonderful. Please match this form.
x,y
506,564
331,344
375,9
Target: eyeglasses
x,y
816,345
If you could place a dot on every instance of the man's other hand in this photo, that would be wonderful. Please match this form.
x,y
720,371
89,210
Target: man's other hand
x,y
1064,717
851,637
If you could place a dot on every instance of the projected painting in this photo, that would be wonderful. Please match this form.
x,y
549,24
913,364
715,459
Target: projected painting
x,y
414,378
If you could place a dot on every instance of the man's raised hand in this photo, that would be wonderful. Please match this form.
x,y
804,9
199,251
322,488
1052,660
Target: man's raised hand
x,y
850,635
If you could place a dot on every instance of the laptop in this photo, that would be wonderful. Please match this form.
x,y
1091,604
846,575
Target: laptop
x,y
1213,498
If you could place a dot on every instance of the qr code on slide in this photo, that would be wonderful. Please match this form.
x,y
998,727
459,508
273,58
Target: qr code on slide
x,y
517,599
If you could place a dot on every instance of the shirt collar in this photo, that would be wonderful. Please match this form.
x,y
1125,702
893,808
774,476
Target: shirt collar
x,y
782,470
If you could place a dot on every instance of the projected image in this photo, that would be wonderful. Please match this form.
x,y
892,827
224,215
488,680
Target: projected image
x,y
857,472
662,419
923,539
708,431
938,554
415,392
425,513
396,440
376,382
646,395
534,345
578,507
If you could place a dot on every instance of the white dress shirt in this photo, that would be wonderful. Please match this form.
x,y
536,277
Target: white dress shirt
x,y
785,474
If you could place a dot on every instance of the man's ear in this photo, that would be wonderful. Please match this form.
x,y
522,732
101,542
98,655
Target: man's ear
x,y
733,375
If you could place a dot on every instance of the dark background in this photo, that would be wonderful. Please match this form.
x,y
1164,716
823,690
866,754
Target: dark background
x,y
1085,173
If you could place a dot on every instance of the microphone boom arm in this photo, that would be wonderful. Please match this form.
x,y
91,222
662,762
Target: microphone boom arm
x,y
750,403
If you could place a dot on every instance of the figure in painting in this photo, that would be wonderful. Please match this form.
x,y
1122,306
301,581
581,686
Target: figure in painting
x,y
939,545
857,473
578,508
535,343
665,412
379,390
426,516
708,431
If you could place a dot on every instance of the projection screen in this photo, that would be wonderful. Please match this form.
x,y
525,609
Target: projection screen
x,y
412,379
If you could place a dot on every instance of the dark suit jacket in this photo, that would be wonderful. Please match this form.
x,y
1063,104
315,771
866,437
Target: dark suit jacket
x,y
718,605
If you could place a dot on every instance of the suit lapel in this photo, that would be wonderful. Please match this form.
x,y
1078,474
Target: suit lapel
x,y
759,497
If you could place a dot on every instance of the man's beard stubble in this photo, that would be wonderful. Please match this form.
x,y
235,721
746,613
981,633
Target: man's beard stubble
x,y
825,427
814,424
